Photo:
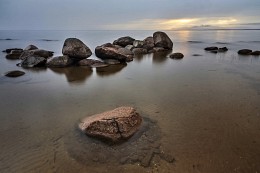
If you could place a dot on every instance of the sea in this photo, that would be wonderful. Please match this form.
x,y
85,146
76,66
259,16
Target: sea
x,y
201,113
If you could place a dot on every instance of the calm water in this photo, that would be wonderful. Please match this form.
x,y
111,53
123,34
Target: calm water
x,y
205,110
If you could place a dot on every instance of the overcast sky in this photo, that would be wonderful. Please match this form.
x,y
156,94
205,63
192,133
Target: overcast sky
x,y
128,14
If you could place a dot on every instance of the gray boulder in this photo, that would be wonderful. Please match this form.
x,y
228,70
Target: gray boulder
x,y
115,125
36,52
33,61
76,49
161,39
60,61
124,41
110,51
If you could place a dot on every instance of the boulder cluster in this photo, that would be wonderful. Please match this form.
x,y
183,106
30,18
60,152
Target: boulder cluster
x,y
216,49
75,52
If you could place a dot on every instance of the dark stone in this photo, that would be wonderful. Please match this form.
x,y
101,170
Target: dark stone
x,y
9,50
12,56
161,39
110,51
138,44
176,55
124,41
76,49
115,125
30,47
149,44
223,49
15,73
140,51
214,51
244,52
60,61
256,53
36,52
33,61
211,48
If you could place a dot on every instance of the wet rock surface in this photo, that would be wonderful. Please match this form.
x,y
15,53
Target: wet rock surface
x,y
9,50
33,61
141,148
211,48
31,47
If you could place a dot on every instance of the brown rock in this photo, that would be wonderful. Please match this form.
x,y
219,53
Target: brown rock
x,y
60,61
115,125
140,51
30,47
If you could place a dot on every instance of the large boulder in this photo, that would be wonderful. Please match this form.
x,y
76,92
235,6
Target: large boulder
x,y
115,125
110,51
33,61
60,61
124,41
161,39
244,52
76,49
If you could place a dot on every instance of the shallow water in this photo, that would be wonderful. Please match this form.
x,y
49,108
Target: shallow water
x,y
204,110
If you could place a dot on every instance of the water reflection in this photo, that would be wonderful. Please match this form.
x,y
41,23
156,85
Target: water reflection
x,y
160,57
74,74
110,70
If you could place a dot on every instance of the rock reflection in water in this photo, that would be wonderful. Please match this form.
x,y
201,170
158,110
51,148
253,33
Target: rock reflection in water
x,y
74,74
160,57
110,70
140,148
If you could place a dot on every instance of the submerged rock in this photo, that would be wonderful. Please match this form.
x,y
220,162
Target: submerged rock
x,y
13,56
15,73
111,61
244,52
124,41
60,61
110,51
223,49
161,39
211,48
256,53
176,55
159,49
115,125
75,48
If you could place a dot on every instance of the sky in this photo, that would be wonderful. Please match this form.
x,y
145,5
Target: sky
x,y
128,14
